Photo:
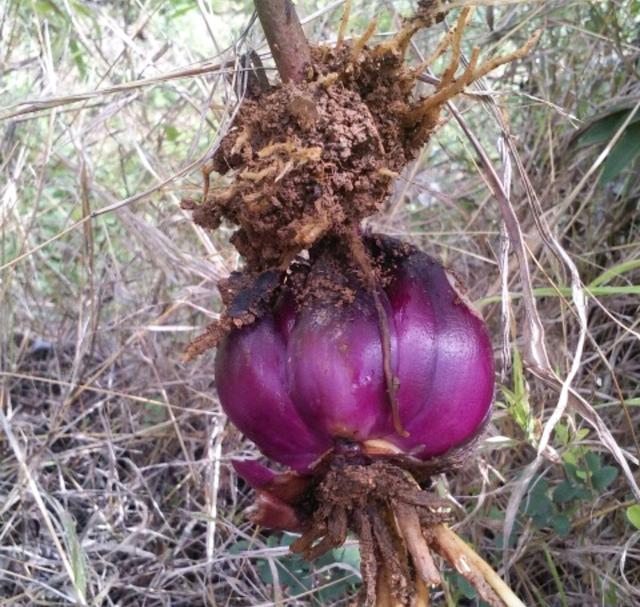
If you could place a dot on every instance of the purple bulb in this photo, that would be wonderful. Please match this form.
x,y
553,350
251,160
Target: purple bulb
x,y
302,378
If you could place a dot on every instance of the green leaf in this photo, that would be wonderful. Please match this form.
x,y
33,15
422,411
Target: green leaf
x,y
459,587
572,470
336,581
171,132
633,514
466,589
293,572
336,588
48,8
611,596
582,433
350,555
561,525
238,547
596,22
154,413
80,8
76,556
604,477
78,58
180,8
584,494
564,492
594,462
604,129
517,398
495,514
562,433
623,154
540,508
513,539
621,268
556,576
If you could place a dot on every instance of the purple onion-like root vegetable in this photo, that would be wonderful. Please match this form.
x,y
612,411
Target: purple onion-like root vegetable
x,y
306,377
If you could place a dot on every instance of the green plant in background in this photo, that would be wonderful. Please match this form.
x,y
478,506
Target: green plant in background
x,y
626,151
633,515
517,400
154,413
460,592
586,479
336,574
544,512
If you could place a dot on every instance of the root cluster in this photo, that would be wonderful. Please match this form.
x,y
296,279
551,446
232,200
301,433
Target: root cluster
x,y
385,508
399,526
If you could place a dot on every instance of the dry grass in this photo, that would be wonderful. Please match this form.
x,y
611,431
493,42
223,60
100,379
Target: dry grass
x,y
115,484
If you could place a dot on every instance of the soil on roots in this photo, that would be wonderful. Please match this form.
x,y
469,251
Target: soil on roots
x,y
312,158
338,267
383,505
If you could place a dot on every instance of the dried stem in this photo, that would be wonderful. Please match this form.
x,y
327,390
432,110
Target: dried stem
x,y
361,42
286,38
456,45
470,565
346,12
427,111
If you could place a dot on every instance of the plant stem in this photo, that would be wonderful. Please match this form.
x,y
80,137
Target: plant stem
x,y
286,38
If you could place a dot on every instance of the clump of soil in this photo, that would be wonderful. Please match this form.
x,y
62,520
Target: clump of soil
x,y
307,159
314,158
332,276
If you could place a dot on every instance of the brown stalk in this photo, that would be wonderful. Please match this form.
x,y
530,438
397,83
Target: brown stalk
x,y
346,12
286,38
472,567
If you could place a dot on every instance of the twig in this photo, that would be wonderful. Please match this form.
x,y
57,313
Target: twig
x,y
471,566
286,38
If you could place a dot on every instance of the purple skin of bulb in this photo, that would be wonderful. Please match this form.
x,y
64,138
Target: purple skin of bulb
x,y
335,370
251,378
445,361
296,381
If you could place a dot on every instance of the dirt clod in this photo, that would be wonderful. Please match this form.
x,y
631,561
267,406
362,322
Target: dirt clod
x,y
306,159
310,159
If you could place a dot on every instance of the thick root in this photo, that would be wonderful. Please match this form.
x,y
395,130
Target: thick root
x,y
473,568
409,524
